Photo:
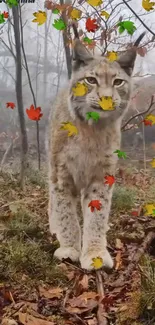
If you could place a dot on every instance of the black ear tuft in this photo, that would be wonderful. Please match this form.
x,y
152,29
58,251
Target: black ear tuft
x,y
127,60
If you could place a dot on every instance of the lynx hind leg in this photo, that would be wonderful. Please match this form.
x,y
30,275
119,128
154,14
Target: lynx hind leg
x,y
95,226
64,222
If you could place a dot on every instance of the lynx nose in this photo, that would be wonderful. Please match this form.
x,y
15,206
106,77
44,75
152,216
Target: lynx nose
x,y
105,92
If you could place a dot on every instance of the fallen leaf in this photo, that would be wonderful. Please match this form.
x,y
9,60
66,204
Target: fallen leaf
x,y
118,260
8,321
26,319
149,208
51,293
153,163
83,303
119,244
84,282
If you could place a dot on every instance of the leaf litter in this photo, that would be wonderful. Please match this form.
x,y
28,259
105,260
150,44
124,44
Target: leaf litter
x,y
88,298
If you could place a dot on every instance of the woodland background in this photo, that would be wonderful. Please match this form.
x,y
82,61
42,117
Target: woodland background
x,y
35,63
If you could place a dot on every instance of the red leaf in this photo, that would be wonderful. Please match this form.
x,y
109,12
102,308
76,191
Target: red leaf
x,y
5,14
110,180
147,122
11,105
135,213
34,113
95,204
91,25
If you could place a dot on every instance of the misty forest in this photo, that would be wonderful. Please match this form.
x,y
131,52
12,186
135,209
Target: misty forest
x,y
36,50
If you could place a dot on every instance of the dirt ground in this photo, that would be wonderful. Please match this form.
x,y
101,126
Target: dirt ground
x,y
36,289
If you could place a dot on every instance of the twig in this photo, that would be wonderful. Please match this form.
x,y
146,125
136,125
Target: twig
x,y
102,320
142,22
139,114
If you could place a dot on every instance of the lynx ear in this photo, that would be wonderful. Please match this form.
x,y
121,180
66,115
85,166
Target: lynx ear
x,y
81,56
127,60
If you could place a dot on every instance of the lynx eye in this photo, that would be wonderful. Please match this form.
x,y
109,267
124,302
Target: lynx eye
x,y
118,82
91,80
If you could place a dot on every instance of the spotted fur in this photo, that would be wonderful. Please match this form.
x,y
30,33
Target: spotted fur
x,y
78,164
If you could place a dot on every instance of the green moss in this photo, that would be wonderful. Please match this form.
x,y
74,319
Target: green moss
x,y
123,198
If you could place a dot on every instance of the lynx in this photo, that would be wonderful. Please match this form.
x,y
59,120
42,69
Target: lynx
x,y
79,163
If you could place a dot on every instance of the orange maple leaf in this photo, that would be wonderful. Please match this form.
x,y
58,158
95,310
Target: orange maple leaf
x,y
147,122
91,25
95,204
34,113
10,105
110,180
5,14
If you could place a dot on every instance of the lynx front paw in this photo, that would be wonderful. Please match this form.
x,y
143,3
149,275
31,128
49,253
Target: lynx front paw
x,y
65,252
104,260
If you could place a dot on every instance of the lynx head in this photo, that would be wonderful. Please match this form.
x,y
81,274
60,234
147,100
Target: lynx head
x,y
103,79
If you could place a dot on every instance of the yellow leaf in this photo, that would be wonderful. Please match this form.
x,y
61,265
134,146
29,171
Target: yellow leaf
x,y
112,56
149,209
69,127
41,17
105,14
75,14
153,162
95,3
150,117
79,89
148,5
97,262
107,103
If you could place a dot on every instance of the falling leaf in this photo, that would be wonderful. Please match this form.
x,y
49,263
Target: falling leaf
x,y
95,204
94,115
5,14
148,5
153,163
106,103
110,180
34,113
75,14
56,11
120,154
126,25
69,127
10,105
150,117
91,25
41,17
147,122
149,208
112,56
118,260
51,293
87,40
94,3
97,262
105,14
12,3
2,20
80,89
27,319
59,24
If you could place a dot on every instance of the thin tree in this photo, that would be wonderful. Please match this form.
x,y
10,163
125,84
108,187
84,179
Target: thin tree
x,y
19,95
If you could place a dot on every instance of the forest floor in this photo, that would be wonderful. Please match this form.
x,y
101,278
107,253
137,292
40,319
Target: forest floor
x,y
36,289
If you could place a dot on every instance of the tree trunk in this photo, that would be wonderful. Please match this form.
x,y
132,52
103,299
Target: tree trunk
x,y
65,40
45,62
19,95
